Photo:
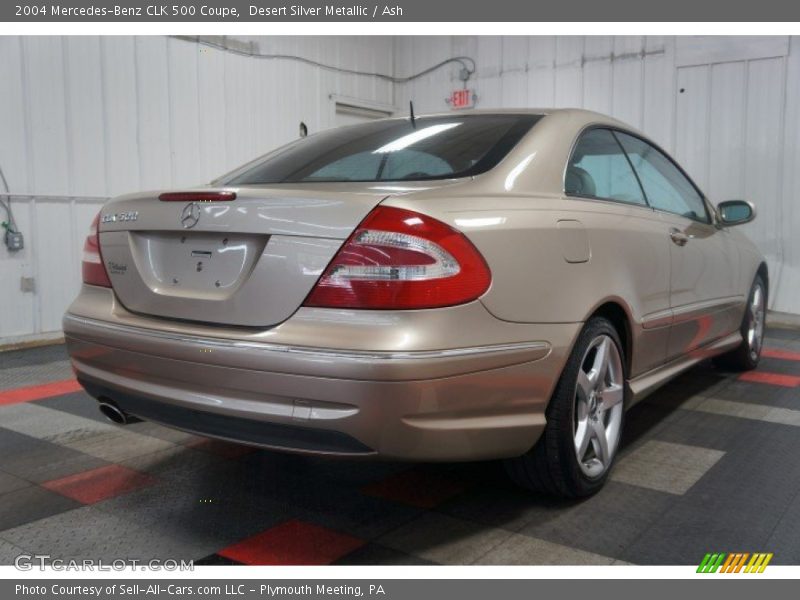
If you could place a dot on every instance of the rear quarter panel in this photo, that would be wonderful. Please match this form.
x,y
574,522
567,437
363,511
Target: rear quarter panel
x,y
535,276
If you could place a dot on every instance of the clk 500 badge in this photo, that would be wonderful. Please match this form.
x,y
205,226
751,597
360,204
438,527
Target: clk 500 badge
x,y
122,217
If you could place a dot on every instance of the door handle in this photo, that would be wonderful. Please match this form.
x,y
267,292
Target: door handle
x,y
678,237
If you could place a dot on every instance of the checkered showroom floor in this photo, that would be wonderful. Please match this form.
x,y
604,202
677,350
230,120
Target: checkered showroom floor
x,y
709,463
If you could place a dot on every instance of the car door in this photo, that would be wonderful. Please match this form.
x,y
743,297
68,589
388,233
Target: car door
x,y
703,259
627,241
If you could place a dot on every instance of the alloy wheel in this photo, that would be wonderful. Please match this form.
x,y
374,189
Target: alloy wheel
x,y
755,331
599,396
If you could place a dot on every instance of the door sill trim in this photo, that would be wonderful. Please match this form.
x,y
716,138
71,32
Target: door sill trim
x,y
643,385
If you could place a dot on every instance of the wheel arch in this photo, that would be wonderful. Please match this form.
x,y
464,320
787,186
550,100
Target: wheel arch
x,y
619,316
763,271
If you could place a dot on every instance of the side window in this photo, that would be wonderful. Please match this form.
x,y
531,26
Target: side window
x,y
598,168
666,187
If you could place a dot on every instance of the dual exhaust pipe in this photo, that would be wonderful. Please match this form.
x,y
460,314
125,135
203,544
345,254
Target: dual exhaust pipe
x,y
114,413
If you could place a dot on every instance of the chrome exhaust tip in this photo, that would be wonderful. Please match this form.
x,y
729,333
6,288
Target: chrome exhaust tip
x,y
112,412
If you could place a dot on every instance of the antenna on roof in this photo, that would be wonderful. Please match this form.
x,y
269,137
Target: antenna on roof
x,y
411,110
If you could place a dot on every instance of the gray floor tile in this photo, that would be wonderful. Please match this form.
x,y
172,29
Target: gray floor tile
x,y
346,509
65,534
38,461
174,436
24,375
782,333
525,550
746,410
79,404
117,445
784,541
90,533
707,430
33,356
783,343
760,394
175,462
737,505
501,505
30,504
666,467
197,513
778,365
444,539
46,424
375,554
9,483
9,552
604,524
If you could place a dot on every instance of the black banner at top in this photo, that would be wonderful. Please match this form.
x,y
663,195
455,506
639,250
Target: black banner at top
x,y
233,11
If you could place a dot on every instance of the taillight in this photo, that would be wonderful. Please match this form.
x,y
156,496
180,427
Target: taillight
x,y
399,259
94,273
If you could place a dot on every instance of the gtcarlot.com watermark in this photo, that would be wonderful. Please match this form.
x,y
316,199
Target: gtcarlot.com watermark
x,y
30,562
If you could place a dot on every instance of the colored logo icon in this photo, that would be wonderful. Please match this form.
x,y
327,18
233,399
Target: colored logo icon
x,y
739,562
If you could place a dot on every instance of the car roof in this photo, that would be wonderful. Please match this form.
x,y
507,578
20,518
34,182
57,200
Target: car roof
x,y
578,117
575,112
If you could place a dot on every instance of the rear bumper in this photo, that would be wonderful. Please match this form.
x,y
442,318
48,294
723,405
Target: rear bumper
x,y
467,403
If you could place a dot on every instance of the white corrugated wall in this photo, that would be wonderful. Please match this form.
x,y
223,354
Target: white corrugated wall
x,y
728,108
86,118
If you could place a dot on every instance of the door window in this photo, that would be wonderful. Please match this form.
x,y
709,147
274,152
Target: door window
x,y
599,168
665,186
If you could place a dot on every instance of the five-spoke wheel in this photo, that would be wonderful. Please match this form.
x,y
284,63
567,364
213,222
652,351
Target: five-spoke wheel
x,y
746,356
757,313
574,455
598,406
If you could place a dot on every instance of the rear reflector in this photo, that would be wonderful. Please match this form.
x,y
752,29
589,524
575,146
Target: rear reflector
x,y
399,259
197,196
92,269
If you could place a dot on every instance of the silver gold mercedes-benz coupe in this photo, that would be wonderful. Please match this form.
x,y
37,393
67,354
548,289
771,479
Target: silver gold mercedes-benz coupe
x,y
465,286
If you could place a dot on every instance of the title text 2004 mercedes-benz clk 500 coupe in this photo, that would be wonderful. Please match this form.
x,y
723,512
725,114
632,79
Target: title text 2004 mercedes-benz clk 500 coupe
x,y
453,287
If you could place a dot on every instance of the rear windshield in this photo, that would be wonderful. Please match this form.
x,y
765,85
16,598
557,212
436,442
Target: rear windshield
x,y
392,150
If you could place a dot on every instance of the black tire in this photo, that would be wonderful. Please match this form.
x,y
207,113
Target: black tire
x,y
746,356
552,465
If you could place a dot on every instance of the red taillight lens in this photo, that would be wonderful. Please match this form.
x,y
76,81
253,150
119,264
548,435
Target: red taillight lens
x,y
94,273
197,196
399,259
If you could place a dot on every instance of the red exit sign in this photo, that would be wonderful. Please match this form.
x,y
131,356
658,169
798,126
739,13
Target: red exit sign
x,y
462,99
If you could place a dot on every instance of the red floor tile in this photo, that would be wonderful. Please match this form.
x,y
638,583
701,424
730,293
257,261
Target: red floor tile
x,y
780,354
221,448
416,488
790,381
37,392
99,484
293,543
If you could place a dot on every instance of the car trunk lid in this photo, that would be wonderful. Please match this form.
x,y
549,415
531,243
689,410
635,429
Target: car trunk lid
x,y
248,261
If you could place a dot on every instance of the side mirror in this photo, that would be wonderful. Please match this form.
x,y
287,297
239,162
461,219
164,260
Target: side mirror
x,y
735,212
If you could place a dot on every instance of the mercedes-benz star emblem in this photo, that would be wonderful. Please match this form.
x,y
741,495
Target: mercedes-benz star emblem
x,y
190,215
